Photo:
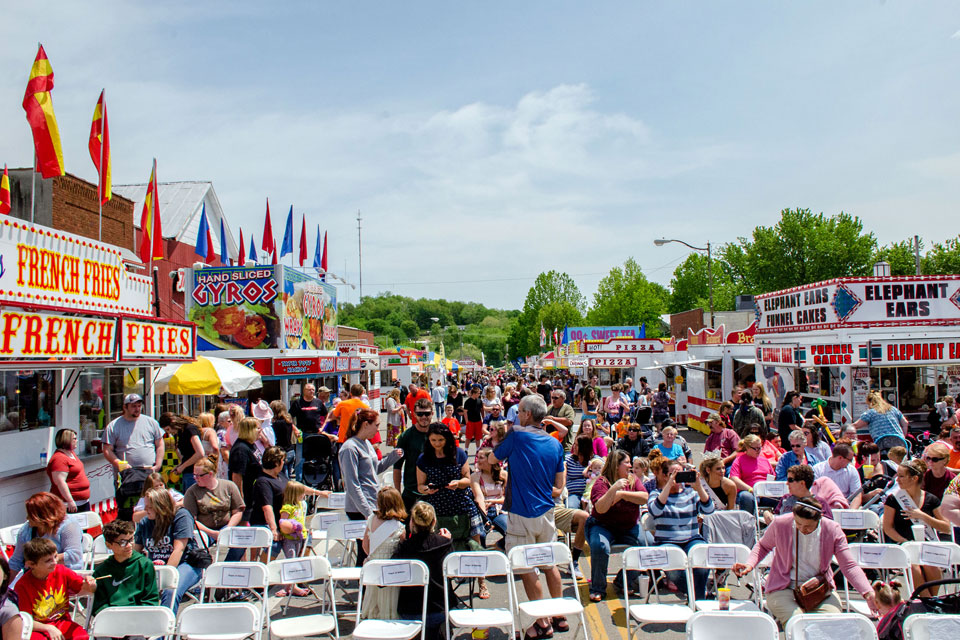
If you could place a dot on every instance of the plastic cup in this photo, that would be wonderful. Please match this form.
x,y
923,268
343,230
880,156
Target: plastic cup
x,y
919,532
723,598
867,470
123,464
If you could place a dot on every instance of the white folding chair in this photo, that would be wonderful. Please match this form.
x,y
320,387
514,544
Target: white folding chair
x,y
86,519
943,555
318,524
100,550
216,621
392,573
246,538
246,576
731,625
931,626
8,535
830,625
531,556
148,621
859,520
773,489
307,570
344,532
665,558
167,578
477,564
887,557
87,548
722,556
336,501
27,620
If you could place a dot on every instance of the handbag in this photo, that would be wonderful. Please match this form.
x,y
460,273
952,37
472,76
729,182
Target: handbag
x,y
811,593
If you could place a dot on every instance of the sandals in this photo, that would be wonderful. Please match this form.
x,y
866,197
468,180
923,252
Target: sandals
x,y
559,624
539,633
596,597
484,593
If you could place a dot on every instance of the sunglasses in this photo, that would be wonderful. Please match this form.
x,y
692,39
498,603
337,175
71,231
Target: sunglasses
x,y
932,459
634,430
754,448
424,414
791,479
200,475
796,446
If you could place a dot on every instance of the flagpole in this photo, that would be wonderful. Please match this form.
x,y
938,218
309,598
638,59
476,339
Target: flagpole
x,y
103,108
33,188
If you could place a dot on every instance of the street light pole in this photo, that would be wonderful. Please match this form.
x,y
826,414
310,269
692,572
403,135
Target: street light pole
x,y
662,241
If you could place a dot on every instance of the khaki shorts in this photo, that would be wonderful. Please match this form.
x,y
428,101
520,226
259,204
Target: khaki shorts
x,y
563,517
537,530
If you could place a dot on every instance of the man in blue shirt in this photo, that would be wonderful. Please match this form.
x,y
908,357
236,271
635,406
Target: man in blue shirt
x,y
537,477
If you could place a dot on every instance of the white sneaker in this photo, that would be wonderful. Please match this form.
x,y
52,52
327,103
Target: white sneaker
x,y
576,571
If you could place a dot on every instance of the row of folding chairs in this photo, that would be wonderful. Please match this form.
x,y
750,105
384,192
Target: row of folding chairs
x,y
736,625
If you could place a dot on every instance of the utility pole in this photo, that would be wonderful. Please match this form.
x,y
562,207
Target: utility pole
x,y
359,255
916,253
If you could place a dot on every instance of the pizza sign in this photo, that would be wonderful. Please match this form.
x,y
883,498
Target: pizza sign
x,y
613,363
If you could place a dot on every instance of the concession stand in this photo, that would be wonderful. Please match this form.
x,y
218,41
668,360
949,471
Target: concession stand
x,y
717,361
839,339
77,329
613,360
277,320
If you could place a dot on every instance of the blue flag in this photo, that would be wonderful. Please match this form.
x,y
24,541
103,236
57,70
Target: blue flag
x,y
253,250
224,251
318,252
203,248
287,246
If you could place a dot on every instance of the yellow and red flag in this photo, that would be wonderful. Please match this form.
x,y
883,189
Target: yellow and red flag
x,y
5,192
99,146
38,103
151,234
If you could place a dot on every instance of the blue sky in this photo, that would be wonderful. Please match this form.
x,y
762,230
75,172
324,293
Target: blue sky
x,y
487,142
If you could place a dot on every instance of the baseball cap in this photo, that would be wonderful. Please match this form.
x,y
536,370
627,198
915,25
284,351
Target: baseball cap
x,y
130,398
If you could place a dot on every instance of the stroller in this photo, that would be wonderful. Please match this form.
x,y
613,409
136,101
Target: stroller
x,y
318,462
891,626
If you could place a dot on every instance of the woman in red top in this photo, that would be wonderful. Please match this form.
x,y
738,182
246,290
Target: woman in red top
x,y
68,480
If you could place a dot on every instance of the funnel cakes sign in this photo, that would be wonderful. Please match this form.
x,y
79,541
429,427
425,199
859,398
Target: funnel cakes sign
x,y
46,268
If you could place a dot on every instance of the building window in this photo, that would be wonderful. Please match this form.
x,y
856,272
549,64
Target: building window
x,y
27,401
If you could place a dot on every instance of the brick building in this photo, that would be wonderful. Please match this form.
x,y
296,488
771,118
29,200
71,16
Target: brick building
x,y
69,203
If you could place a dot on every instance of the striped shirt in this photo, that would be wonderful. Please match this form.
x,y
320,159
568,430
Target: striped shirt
x,y
676,521
576,482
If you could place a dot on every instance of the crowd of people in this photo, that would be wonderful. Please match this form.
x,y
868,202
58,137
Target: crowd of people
x,y
493,462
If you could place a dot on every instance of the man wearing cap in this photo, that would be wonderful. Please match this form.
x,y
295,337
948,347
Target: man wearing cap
x,y
132,441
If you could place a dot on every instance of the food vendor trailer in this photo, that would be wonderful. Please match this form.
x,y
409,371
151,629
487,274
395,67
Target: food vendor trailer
x,y
613,360
836,340
274,319
717,361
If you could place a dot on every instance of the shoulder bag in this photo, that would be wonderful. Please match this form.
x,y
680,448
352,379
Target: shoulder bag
x,y
811,593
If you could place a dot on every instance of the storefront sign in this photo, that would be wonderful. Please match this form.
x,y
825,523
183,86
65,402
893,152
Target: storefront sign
x,y
296,366
601,333
613,363
861,387
327,365
309,312
828,355
625,346
777,355
144,340
742,337
913,352
263,366
343,365
28,336
705,336
862,302
43,267
235,307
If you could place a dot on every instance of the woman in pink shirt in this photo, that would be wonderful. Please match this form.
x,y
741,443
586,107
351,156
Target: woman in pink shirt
x,y
748,469
806,544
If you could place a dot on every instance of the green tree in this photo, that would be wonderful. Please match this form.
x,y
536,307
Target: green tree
x,y
625,297
549,287
942,258
900,257
690,285
802,248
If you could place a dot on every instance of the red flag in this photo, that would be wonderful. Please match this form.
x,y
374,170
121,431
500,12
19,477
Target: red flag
x,y
38,103
303,241
273,254
268,244
242,258
323,258
5,194
99,146
151,233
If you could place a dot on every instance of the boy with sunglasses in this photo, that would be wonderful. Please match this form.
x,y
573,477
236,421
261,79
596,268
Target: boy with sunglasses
x,y
127,578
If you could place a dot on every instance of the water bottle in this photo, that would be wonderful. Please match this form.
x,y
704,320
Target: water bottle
x,y
43,459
